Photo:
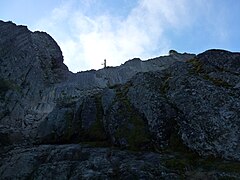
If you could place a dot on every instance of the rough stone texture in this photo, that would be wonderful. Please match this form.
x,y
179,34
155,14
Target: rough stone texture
x,y
205,111
125,126
211,116
75,161
146,93
73,121
30,91
29,62
209,104
185,107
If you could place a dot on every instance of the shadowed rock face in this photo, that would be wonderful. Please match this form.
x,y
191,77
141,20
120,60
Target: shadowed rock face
x,y
182,106
35,80
30,62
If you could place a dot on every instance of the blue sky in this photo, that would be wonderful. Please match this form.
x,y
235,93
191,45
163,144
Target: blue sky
x,y
89,31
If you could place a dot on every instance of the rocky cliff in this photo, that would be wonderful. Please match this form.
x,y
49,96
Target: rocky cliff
x,y
170,117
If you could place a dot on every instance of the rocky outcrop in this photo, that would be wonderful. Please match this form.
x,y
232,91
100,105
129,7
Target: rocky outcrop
x,y
174,108
209,100
30,62
32,90
74,161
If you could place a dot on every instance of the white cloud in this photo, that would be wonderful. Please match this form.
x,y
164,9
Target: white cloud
x,y
87,40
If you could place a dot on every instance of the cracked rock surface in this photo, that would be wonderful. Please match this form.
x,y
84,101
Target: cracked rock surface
x,y
169,117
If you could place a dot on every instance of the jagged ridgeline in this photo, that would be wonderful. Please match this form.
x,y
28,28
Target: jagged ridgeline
x,y
170,117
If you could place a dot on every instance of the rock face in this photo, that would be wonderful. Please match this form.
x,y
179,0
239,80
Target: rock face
x,y
30,62
209,101
175,108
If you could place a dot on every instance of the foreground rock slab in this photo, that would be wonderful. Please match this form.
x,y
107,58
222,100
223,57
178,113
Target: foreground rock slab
x,y
75,161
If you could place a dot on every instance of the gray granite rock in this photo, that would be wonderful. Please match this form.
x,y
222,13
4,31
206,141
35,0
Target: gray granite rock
x,y
182,106
74,161
34,78
146,93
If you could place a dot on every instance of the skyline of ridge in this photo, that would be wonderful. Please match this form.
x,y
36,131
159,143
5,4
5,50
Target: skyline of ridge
x,y
89,31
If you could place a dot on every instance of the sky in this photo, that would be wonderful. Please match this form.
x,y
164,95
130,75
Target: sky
x,y
89,31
